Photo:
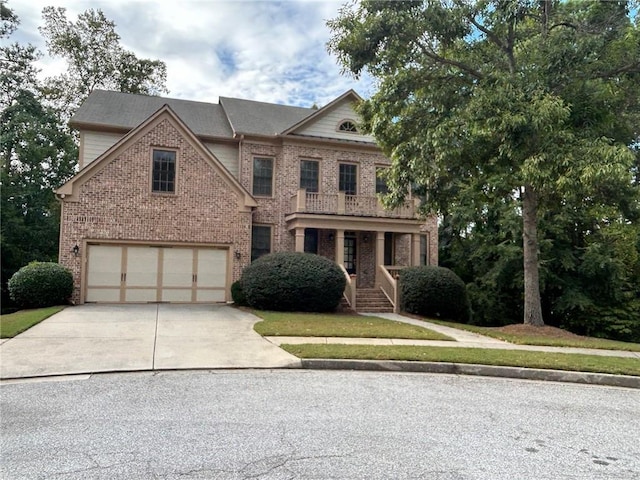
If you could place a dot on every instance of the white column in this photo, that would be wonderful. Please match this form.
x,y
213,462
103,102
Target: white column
x,y
379,254
415,249
340,247
299,239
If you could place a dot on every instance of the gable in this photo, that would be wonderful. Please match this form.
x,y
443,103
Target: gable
x,y
326,126
325,122
162,129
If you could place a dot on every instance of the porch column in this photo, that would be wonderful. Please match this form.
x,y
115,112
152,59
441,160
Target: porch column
x,y
379,255
415,249
299,239
340,247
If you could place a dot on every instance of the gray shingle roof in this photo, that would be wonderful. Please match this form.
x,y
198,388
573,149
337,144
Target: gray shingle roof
x,y
233,115
259,118
125,110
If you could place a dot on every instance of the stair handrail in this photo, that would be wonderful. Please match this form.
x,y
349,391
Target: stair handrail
x,y
389,286
349,287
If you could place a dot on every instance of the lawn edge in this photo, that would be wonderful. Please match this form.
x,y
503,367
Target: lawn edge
x,y
523,373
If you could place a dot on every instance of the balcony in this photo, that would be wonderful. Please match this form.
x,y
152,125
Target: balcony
x,y
341,204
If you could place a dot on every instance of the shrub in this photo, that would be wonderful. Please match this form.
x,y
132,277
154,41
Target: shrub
x,y
434,292
237,294
41,284
293,281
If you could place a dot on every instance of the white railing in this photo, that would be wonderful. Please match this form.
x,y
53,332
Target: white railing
x,y
349,288
389,286
341,204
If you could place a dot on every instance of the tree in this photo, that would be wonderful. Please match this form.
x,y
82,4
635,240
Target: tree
x,y
95,59
17,70
37,156
500,105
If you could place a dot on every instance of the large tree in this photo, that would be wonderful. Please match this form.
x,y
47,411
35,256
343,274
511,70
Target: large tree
x,y
495,107
95,59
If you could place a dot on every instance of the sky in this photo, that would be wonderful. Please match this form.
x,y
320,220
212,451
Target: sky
x,y
264,50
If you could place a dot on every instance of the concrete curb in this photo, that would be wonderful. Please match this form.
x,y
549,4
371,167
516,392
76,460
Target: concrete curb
x,y
474,369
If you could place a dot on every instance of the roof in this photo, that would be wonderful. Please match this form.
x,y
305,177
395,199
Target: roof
x,y
70,188
230,117
259,118
127,111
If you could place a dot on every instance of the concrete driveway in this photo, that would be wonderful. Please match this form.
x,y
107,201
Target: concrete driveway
x,y
108,338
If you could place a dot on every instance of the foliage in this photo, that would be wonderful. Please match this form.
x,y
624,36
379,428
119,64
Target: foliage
x,y
434,292
237,294
41,284
293,281
36,156
503,110
95,59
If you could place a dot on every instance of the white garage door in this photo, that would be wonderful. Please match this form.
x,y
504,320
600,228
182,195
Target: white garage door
x,y
136,273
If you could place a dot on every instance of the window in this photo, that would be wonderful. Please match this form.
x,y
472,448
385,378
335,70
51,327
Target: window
x,y
309,175
311,240
262,176
348,126
424,260
164,171
348,178
260,241
381,183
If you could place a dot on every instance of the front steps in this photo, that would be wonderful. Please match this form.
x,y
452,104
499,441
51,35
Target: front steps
x,y
372,300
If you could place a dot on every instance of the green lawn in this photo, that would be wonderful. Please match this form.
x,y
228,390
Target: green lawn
x,y
522,339
15,323
292,324
513,358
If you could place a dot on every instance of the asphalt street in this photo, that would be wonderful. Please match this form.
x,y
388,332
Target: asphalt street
x,y
287,424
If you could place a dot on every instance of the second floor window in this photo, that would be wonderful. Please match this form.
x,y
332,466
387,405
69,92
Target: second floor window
x,y
381,183
263,176
348,175
164,171
309,175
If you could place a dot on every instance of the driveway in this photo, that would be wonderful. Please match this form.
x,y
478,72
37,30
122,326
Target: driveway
x,y
108,338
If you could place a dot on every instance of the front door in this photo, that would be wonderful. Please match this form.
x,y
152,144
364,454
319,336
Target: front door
x,y
350,252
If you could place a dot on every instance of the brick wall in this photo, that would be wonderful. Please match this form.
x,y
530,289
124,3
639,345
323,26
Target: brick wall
x,y
117,204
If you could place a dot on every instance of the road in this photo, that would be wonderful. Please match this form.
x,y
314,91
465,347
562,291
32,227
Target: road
x,y
289,424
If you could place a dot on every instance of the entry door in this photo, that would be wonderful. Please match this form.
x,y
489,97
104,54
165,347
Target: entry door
x,y
350,253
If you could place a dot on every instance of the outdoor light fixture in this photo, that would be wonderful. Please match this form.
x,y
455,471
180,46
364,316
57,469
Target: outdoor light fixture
x,y
331,237
238,255
76,250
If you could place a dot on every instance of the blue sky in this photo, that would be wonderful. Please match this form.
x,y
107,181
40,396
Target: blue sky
x,y
260,50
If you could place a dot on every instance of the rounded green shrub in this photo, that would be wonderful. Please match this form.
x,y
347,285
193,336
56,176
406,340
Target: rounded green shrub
x,y
41,284
293,281
237,294
434,292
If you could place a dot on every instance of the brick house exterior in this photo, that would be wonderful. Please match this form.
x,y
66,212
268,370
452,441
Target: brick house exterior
x,y
173,199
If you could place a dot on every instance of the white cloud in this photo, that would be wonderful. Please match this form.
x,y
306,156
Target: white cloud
x,y
260,50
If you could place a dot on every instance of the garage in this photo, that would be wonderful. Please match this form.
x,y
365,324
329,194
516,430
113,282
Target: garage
x,y
147,273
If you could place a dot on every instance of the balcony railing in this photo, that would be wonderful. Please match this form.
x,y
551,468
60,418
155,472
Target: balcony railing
x,y
342,204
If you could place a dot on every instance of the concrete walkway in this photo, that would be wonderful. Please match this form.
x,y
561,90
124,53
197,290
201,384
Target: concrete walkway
x,y
463,339
108,338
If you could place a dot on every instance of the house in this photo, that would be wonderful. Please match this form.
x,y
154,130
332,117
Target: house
x,y
174,198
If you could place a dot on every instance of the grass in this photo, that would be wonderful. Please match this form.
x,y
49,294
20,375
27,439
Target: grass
x,y
527,339
512,358
15,323
331,325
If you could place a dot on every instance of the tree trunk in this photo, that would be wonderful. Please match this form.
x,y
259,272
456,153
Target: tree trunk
x,y
532,304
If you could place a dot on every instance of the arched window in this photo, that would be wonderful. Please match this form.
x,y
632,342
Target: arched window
x,y
347,126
